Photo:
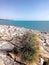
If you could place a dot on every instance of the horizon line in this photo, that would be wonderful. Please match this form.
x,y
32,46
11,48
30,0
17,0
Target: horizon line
x,y
23,20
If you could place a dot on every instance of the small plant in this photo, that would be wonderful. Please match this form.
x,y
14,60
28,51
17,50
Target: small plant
x,y
29,51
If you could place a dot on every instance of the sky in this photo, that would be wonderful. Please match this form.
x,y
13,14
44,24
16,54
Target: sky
x,y
24,9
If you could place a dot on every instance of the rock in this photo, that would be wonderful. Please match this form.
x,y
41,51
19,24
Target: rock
x,y
5,60
10,37
6,46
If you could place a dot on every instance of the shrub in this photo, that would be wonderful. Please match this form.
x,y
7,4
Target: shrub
x,y
29,51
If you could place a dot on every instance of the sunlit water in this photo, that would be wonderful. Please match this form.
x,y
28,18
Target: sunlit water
x,y
36,25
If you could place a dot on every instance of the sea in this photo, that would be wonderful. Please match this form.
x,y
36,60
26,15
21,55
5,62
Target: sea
x,y
35,25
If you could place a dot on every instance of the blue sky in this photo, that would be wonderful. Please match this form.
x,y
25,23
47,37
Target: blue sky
x,y
24,9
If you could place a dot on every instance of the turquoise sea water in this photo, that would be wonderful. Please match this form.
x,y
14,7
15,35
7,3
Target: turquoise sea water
x,y
36,25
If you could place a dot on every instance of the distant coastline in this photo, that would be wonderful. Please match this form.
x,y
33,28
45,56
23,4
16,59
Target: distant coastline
x,y
24,20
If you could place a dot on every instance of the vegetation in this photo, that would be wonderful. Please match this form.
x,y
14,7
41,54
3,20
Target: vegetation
x,y
30,47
